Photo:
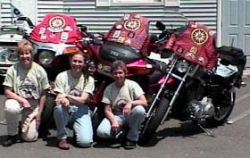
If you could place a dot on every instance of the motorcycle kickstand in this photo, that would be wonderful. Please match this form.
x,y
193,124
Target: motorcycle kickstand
x,y
208,132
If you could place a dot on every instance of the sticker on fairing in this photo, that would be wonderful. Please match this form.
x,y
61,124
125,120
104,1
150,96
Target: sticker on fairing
x,y
199,36
116,34
126,16
121,40
132,25
56,24
64,36
42,30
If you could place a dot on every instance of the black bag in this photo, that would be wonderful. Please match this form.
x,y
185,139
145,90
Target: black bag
x,y
234,56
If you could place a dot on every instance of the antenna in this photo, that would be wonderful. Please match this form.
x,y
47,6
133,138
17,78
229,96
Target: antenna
x,y
232,42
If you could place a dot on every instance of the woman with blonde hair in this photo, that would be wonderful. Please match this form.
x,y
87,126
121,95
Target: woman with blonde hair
x,y
24,87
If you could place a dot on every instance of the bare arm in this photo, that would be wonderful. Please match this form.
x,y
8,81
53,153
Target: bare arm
x,y
110,116
78,100
40,105
42,101
141,100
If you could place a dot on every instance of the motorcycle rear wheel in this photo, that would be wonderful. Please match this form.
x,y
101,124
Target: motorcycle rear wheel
x,y
223,111
153,121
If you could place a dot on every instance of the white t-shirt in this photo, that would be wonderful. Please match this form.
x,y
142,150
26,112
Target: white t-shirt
x,y
28,84
66,84
117,97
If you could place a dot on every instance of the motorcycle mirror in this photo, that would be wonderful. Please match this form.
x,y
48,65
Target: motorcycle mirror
x,y
83,28
160,25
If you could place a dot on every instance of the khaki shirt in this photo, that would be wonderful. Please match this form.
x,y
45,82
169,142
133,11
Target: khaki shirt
x,y
28,84
117,97
66,84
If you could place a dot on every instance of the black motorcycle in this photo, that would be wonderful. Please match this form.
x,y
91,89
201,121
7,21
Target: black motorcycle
x,y
203,80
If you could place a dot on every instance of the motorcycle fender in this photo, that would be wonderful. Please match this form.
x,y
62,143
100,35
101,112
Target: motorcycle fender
x,y
170,80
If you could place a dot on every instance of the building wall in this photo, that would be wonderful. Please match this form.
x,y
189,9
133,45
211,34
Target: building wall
x,y
100,19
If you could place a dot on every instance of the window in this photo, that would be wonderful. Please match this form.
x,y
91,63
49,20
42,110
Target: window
x,y
137,2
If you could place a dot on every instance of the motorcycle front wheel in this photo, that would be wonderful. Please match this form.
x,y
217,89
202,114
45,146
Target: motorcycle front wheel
x,y
223,108
153,121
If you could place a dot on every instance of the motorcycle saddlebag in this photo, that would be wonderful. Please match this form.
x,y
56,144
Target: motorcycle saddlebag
x,y
234,56
112,51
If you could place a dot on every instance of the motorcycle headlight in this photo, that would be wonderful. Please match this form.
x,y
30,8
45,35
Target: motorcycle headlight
x,y
46,57
13,57
8,54
182,66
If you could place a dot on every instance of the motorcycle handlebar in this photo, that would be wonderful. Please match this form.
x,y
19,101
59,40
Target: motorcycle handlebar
x,y
166,32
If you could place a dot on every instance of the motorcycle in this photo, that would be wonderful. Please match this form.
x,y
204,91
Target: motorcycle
x,y
203,81
128,40
55,38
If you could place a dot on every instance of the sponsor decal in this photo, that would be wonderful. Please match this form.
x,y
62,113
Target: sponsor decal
x,y
132,25
56,24
199,36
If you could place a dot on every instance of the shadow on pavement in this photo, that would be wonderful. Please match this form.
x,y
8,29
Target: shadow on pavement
x,y
185,129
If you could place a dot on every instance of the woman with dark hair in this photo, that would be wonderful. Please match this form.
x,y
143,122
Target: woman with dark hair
x,y
124,105
73,88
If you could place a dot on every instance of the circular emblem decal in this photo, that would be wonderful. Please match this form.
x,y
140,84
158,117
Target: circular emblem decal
x,y
56,23
132,24
199,36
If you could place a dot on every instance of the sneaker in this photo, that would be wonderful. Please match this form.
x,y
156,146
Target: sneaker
x,y
10,141
115,144
129,144
63,144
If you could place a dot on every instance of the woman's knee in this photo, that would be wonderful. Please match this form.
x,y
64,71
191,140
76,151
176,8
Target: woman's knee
x,y
30,137
84,140
58,109
102,133
103,130
12,106
139,110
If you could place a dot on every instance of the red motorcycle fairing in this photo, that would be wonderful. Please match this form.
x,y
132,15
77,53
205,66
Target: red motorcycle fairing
x,y
131,30
196,44
139,67
56,28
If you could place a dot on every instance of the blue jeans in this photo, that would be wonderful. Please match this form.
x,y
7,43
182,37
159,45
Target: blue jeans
x,y
133,121
77,116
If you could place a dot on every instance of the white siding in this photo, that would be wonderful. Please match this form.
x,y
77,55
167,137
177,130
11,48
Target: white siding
x,y
6,17
204,11
100,19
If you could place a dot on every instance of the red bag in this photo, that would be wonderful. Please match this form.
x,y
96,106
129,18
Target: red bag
x,y
196,44
56,28
131,30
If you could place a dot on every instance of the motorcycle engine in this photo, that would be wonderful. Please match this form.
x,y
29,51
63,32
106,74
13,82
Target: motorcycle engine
x,y
200,110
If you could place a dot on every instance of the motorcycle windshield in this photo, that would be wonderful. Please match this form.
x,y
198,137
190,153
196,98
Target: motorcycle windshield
x,y
56,28
131,30
196,44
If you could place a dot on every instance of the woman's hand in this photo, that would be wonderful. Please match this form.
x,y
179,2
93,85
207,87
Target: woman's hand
x,y
62,100
26,104
127,109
